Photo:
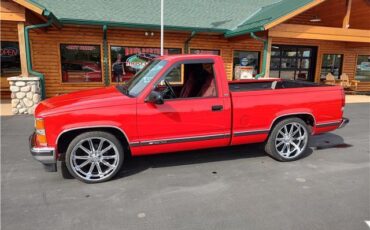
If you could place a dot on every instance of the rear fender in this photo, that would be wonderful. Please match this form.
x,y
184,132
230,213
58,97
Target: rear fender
x,y
285,114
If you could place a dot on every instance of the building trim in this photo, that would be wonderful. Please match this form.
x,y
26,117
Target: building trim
x,y
34,7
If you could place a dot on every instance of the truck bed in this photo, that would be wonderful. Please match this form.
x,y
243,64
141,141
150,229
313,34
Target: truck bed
x,y
269,84
258,103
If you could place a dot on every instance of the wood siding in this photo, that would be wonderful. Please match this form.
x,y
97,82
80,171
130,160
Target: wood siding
x,y
294,31
11,11
9,31
46,49
332,13
45,46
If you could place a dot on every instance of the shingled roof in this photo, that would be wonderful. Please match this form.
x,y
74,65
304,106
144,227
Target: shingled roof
x,y
231,17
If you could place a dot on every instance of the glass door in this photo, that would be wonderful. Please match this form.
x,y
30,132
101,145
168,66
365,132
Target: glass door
x,y
293,62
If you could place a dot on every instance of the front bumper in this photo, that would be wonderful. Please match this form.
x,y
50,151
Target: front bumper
x,y
45,155
344,122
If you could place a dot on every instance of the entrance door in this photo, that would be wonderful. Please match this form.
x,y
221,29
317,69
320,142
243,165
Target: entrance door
x,y
293,62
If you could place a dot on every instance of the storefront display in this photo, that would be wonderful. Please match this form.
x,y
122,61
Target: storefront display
x,y
293,62
363,68
10,60
331,63
245,64
81,63
127,61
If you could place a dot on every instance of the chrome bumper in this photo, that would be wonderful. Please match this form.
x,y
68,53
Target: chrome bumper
x,y
45,155
344,122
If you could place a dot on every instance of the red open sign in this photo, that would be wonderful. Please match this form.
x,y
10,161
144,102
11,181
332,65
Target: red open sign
x,y
9,52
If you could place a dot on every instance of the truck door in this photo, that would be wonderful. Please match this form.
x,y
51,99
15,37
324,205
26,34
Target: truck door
x,y
192,116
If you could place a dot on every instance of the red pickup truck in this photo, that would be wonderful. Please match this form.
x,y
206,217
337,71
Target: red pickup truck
x,y
178,103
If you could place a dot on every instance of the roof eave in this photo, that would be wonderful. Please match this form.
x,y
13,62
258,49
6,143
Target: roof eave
x,y
40,10
30,5
67,21
231,34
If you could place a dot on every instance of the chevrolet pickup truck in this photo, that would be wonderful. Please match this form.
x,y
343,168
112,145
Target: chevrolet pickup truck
x,y
178,103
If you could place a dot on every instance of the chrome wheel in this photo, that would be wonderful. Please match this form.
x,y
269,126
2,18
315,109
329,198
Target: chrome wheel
x,y
94,158
291,140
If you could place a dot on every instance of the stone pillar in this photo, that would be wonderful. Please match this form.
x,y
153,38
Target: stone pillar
x,y
25,93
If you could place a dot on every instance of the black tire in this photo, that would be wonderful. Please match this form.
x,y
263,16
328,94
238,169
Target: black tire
x,y
72,150
273,148
65,172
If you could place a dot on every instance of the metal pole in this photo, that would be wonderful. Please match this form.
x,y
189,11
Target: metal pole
x,y
162,27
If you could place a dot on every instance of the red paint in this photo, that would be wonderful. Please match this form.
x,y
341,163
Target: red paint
x,y
248,111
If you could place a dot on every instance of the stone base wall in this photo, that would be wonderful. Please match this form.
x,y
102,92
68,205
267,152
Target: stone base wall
x,y
25,94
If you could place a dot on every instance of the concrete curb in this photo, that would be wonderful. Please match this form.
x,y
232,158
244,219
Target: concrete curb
x,y
357,99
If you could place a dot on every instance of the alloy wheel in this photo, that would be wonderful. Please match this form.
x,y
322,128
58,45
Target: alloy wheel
x,y
94,158
291,140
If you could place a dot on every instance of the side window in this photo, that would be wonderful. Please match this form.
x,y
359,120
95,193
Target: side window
x,y
197,81
175,76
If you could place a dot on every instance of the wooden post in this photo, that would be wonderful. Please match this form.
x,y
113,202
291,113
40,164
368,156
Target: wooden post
x,y
348,14
268,58
22,49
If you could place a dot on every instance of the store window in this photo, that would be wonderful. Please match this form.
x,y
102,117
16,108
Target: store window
x,y
331,63
363,68
205,51
127,61
245,64
81,63
10,59
293,62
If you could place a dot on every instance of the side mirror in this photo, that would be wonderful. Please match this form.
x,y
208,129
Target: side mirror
x,y
155,97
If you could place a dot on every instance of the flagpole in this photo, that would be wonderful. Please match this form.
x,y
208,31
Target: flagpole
x,y
162,35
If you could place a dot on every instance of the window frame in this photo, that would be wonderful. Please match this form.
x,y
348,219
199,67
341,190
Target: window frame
x,y
130,46
20,65
355,75
241,50
340,72
196,61
311,70
82,82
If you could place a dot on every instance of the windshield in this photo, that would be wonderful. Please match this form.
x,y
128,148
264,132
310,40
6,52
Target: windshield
x,y
136,84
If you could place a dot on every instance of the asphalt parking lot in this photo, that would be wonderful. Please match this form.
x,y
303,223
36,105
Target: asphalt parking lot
x,y
229,188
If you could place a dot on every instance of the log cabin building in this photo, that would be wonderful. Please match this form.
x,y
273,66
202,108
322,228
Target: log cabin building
x,y
73,45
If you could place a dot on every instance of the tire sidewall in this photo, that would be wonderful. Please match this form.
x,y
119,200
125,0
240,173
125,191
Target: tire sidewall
x,y
93,134
271,141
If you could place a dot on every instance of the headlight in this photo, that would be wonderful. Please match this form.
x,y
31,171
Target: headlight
x,y
40,132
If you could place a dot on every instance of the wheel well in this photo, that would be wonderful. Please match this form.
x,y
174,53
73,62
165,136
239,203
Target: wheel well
x,y
307,118
67,137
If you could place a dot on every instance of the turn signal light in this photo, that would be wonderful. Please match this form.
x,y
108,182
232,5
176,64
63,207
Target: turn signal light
x,y
39,124
41,140
40,132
